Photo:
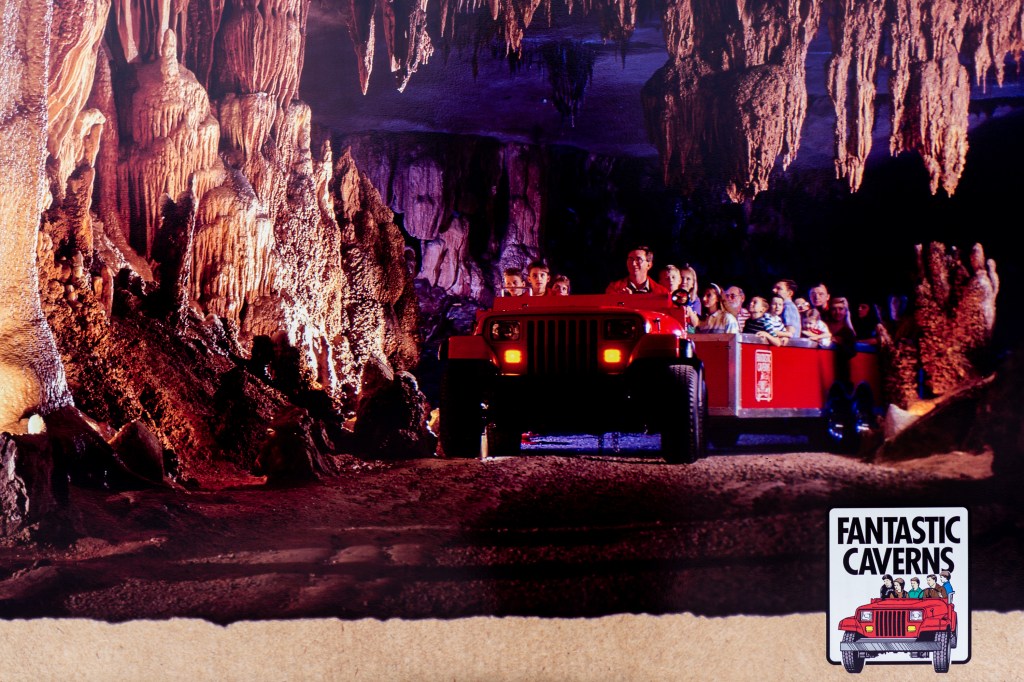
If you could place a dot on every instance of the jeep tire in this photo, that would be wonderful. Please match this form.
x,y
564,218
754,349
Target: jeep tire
x,y
462,414
682,423
503,441
940,657
852,660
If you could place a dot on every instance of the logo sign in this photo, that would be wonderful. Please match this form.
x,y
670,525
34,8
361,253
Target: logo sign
x,y
898,580
763,376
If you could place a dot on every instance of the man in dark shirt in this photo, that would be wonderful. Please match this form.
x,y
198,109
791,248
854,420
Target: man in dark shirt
x,y
638,264
887,591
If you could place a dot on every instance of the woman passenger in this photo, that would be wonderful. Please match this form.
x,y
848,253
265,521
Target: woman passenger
x,y
717,319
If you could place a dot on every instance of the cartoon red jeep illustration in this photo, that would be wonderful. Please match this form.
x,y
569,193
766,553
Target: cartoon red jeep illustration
x,y
916,626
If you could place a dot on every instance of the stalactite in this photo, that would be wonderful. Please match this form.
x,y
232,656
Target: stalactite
x,y
405,31
361,26
570,66
732,97
261,49
857,32
141,24
930,88
996,29
73,135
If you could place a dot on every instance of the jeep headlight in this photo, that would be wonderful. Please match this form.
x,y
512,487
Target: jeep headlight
x,y
620,329
917,614
505,330
865,616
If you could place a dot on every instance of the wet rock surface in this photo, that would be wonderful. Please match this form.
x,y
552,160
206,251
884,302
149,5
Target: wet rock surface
x,y
567,529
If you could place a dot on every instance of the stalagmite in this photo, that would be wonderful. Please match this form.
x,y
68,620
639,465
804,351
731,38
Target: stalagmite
x,y
174,142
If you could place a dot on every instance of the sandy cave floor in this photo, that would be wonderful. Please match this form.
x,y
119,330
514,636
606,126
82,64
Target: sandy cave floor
x,y
566,529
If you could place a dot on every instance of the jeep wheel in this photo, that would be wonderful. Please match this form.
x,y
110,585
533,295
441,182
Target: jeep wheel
x,y
852,660
682,425
503,441
462,411
940,657
952,638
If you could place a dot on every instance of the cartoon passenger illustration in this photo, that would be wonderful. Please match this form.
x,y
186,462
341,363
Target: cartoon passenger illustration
x,y
886,591
946,585
898,591
934,590
915,591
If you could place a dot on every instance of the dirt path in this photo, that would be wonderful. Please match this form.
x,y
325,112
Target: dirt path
x,y
549,533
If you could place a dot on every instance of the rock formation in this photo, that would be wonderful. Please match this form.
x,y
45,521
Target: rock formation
x,y
31,376
207,222
732,96
953,314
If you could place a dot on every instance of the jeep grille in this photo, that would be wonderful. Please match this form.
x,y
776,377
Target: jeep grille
x,y
563,346
891,623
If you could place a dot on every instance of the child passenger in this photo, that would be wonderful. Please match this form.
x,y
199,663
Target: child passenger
x,y
559,286
539,274
774,317
758,322
814,328
515,285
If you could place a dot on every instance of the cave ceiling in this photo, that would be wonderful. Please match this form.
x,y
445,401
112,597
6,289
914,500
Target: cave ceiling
x,y
742,90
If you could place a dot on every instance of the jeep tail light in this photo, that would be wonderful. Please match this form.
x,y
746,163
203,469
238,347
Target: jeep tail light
x,y
865,616
620,329
505,330
917,614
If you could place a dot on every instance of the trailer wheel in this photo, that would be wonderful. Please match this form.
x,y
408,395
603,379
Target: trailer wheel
x,y
863,409
839,422
502,440
852,660
723,436
682,422
703,416
940,657
462,411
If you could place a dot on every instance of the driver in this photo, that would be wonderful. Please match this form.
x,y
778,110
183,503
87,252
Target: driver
x,y
638,265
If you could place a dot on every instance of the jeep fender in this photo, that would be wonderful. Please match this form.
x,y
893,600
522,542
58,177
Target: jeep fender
x,y
935,624
851,625
468,348
663,346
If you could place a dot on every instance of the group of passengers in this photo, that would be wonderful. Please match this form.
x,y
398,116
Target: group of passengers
x,y
536,281
820,318
938,587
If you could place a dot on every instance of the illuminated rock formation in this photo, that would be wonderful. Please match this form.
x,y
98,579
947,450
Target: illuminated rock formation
x,y
732,97
31,376
857,30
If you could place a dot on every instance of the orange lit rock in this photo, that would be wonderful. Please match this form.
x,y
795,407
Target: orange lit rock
x,y
260,48
31,375
174,142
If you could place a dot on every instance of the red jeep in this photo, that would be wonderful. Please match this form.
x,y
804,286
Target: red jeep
x,y
602,363
918,626
573,364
